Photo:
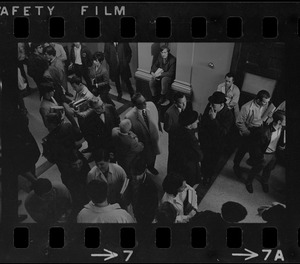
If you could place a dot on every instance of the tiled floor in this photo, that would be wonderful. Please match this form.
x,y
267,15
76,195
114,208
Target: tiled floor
x,y
225,188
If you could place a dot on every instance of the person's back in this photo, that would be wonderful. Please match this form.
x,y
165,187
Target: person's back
x,y
111,213
98,210
127,145
47,202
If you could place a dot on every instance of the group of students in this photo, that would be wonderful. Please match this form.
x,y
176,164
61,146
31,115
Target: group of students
x,y
197,143
119,188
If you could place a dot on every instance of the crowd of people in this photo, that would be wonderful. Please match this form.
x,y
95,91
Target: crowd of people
x,y
119,188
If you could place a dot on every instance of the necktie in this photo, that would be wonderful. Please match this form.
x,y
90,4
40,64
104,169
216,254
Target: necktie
x,y
145,117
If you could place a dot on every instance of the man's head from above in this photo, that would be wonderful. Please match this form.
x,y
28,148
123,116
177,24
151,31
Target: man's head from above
x,y
125,126
97,104
278,119
188,119
139,101
102,159
217,101
229,80
49,52
164,51
77,44
262,98
42,186
97,191
76,83
180,100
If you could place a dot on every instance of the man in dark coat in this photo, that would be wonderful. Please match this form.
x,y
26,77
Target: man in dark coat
x,y
171,123
187,153
99,124
216,122
118,57
163,74
37,64
81,60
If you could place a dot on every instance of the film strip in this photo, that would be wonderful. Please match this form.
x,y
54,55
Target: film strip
x,y
259,43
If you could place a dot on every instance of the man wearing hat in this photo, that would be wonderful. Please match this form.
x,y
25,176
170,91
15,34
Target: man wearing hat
x,y
187,153
216,123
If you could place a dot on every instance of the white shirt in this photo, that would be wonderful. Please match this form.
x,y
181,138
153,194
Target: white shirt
x,y
178,203
111,213
77,52
274,141
232,94
251,115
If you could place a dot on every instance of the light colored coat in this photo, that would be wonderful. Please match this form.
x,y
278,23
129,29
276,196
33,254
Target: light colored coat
x,y
148,136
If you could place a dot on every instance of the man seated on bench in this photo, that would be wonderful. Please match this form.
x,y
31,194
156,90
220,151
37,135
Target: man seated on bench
x,y
163,75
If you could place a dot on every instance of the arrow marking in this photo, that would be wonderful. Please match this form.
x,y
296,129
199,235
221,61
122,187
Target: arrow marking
x,y
249,255
108,256
130,252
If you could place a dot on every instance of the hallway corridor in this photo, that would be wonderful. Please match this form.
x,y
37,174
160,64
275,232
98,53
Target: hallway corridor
x,y
225,188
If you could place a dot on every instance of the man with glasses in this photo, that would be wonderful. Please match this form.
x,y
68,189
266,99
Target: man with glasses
x,y
144,120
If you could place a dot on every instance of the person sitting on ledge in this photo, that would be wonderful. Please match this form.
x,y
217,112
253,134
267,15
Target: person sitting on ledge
x,y
163,74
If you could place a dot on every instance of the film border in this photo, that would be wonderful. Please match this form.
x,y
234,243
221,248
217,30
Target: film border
x,y
216,14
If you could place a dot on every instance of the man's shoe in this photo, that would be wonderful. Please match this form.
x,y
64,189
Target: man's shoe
x,y
265,187
237,171
119,98
153,171
249,187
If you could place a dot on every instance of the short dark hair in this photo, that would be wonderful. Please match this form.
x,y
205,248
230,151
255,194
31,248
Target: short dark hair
x,y
230,75
42,186
54,118
278,115
172,182
75,155
50,50
166,214
75,79
135,97
101,154
99,56
262,94
97,191
177,95
46,87
139,167
233,212
34,46
164,47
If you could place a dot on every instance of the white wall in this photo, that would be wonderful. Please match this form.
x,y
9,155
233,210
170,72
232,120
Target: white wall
x,y
205,79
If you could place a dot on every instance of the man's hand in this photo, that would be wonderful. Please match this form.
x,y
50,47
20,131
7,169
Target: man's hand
x,y
212,113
